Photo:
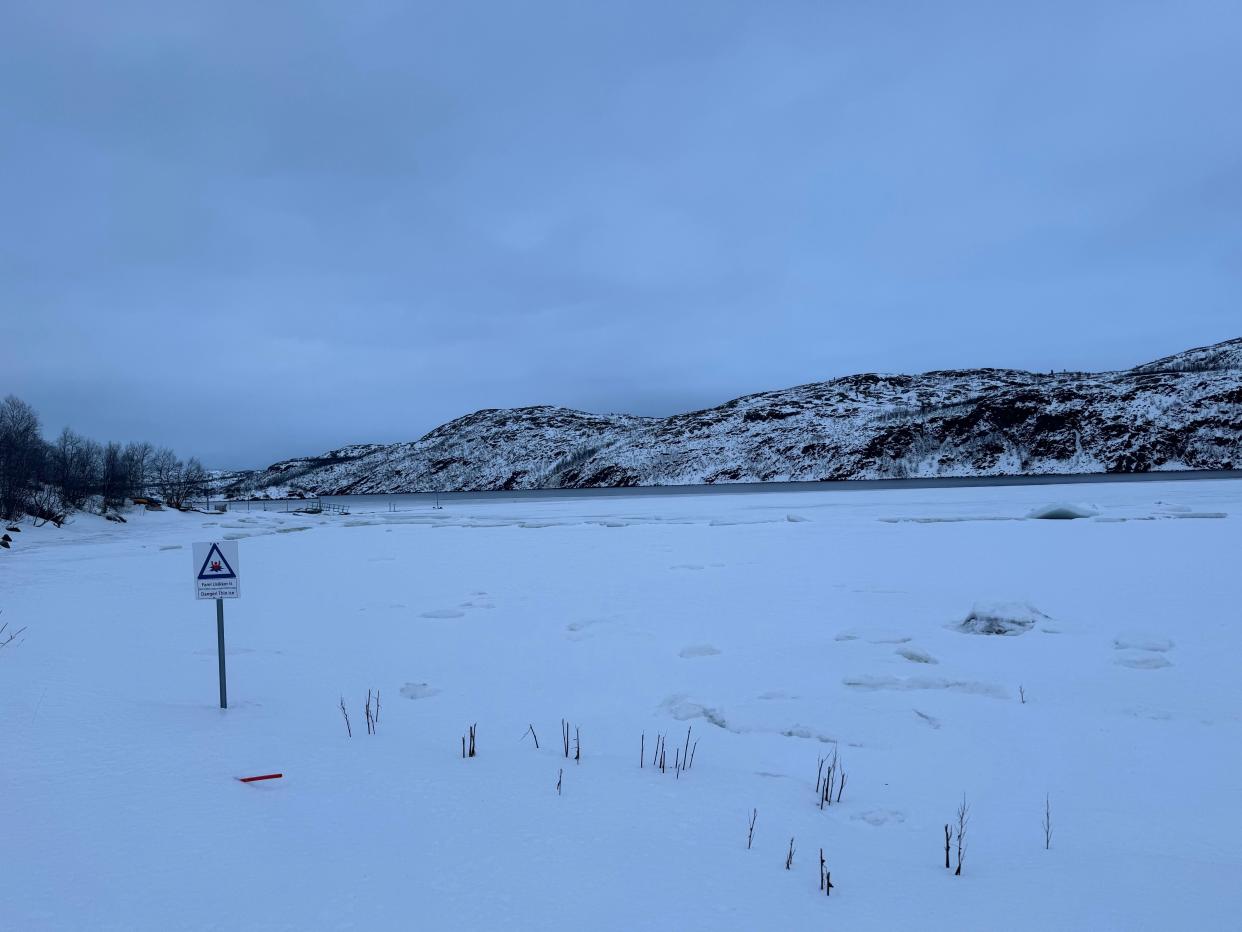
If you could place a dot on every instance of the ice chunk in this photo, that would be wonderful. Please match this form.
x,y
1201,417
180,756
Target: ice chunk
x,y
1064,511
1008,618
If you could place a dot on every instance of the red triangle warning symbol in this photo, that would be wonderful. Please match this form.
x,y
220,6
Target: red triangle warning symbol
x,y
216,566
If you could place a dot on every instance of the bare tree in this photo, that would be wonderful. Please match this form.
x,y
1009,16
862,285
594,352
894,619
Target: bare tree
x,y
348,731
178,482
22,455
73,468
963,817
164,469
114,478
137,467
76,468
45,505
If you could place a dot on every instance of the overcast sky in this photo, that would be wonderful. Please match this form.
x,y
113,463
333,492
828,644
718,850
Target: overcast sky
x,y
253,230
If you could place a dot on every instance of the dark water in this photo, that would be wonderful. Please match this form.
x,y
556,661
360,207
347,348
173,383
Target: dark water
x,y
401,500
406,499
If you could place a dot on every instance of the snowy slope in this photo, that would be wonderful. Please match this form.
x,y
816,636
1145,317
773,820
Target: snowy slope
x,y
1181,412
777,641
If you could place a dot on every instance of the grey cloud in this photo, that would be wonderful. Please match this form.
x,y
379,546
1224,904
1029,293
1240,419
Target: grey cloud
x,y
255,230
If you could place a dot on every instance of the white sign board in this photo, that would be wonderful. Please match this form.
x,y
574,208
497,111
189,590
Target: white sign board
x,y
217,574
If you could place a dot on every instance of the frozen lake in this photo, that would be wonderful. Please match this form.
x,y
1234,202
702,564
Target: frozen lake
x,y
781,627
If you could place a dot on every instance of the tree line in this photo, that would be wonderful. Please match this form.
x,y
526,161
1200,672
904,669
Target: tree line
x,y
48,480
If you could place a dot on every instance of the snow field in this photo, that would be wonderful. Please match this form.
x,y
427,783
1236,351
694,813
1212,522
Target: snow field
x,y
779,627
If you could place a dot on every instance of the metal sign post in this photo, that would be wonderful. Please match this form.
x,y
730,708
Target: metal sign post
x,y
224,689
217,575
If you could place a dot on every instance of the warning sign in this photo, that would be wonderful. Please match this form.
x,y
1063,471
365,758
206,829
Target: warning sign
x,y
216,573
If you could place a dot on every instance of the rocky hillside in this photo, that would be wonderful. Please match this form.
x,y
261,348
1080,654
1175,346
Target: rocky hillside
x,y
1180,412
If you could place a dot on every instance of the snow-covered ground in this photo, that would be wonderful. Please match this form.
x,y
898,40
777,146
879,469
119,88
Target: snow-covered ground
x,y
779,627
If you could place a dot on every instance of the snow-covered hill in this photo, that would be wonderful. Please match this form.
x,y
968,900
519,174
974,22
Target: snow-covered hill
x,y
1180,412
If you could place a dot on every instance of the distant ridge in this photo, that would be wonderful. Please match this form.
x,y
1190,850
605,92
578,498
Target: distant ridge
x,y
1180,412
